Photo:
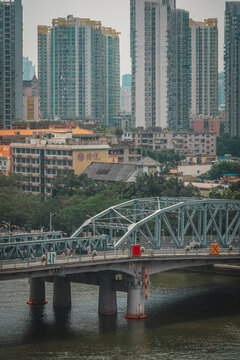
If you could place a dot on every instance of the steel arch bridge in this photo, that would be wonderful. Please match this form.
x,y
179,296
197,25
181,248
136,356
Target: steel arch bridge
x,y
167,223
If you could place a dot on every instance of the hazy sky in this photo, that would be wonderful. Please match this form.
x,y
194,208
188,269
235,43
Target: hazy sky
x,y
113,13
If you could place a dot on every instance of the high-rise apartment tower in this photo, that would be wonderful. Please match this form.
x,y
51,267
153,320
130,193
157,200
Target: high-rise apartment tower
x,y
44,70
178,72
160,60
79,64
11,74
232,67
204,67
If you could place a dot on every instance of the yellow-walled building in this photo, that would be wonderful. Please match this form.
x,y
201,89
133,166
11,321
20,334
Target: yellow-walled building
x,y
84,155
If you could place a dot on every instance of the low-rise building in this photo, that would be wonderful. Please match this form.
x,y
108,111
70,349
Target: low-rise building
x,y
40,160
193,171
210,159
39,163
148,166
228,179
111,172
122,172
186,142
125,154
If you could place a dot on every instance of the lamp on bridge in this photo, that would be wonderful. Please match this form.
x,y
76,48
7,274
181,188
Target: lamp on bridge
x,y
50,220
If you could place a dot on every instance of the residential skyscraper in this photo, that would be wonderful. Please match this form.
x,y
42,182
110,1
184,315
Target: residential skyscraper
x,y
11,76
28,69
83,58
204,67
159,37
232,67
112,76
44,70
178,72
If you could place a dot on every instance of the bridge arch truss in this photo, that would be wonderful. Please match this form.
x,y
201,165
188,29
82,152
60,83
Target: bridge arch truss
x,y
167,223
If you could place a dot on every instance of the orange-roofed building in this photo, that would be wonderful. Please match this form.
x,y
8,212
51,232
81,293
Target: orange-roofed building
x,y
30,132
79,136
5,159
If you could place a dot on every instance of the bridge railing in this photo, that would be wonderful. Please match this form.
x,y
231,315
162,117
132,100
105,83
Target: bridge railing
x,y
116,255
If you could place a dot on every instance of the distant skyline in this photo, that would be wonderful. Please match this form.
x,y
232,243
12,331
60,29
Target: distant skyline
x,y
112,13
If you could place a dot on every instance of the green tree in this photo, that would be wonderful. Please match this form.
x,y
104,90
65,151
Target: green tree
x,y
118,131
228,145
232,193
160,186
222,168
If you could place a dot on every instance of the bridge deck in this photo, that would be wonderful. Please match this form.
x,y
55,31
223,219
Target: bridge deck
x,y
10,269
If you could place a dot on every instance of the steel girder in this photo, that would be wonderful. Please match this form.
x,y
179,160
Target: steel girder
x,y
31,236
39,247
168,222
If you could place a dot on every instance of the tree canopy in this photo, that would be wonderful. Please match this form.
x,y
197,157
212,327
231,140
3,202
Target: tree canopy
x,y
228,145
75,198
221,168
232,193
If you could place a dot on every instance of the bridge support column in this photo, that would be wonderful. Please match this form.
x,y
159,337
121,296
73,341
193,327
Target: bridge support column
x,y
107,304
135,303
37,292
61,292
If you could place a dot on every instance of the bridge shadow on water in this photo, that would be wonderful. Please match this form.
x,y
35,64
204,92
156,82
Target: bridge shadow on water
x,y
194,304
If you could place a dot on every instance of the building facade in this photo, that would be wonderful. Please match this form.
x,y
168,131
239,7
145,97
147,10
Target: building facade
x,y
159,53
11,59
232,68
125,154
204,67
186,142
205,124
41,159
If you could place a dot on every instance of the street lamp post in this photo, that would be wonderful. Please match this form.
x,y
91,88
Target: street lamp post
x,y
50,220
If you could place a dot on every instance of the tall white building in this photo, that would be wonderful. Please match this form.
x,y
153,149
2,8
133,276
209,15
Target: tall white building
x,y
159,50
150,24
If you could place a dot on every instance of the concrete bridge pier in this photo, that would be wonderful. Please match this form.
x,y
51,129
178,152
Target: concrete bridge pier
x,y
61,292
107,304
37,292
135,302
